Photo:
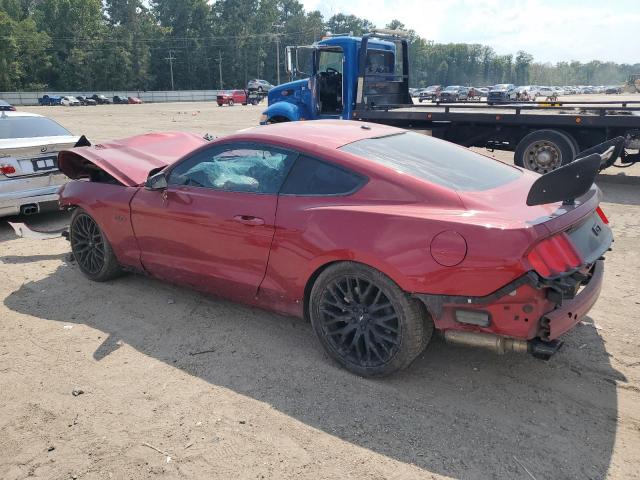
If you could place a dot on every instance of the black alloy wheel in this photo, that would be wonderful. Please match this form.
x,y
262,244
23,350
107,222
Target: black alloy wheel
x,y
360,321
91,249
365,321
87,244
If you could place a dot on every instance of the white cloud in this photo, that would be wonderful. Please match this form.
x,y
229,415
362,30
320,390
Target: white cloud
x,y
550,30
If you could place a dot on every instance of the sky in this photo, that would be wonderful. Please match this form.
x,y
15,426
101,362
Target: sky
x,y
552,31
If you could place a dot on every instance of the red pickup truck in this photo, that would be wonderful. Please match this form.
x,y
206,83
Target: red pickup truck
x,y
231,97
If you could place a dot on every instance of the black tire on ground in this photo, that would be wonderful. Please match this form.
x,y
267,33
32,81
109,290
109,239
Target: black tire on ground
x,y
365,322
231,102
545,150
91,248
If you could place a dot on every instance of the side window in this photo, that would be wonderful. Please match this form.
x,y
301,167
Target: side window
x,y
238,168
314,177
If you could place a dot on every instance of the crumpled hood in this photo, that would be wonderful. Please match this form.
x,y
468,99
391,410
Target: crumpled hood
x,y
131,159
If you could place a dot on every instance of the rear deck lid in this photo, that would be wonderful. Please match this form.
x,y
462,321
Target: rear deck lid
x,y
33,156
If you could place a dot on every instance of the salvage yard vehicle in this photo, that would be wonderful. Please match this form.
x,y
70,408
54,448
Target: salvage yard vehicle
x,y
85,100
119,100
542,136
430,93
231,97
259,85
6,106
49,100
100,99
70,101
502,93
134,101
376,234
453,93
29,175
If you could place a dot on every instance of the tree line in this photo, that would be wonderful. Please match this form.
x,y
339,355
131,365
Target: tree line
x,y
136,44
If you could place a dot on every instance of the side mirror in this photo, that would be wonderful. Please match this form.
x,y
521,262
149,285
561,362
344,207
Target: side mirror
x,y
157,181
289,59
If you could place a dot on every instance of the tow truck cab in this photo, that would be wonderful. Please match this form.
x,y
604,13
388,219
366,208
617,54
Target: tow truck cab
x,y
341,72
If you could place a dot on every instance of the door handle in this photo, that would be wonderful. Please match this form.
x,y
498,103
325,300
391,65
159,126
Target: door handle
x,y
248,220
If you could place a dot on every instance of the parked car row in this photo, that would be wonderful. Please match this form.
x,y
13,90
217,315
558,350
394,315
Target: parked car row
x,y
95,99
504,92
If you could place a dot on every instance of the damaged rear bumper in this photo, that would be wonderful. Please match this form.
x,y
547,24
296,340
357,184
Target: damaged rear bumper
x,y
526,315
570,312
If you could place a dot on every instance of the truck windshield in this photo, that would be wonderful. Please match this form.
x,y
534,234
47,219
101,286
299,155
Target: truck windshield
x,y
435,161
330,61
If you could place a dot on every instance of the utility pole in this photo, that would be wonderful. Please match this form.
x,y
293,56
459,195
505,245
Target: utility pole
x,y
171,58
278,25
220,67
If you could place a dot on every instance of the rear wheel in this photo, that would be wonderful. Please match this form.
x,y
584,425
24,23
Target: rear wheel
x,y
365,321
545,150
91,249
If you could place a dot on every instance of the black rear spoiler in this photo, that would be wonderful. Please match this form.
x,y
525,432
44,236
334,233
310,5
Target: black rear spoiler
x,y
574,179
603,149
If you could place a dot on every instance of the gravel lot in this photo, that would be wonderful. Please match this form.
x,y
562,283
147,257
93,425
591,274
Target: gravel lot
x,y
179,385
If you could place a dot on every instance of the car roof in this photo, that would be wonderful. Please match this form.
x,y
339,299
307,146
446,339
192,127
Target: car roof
x,y
331,134
19,114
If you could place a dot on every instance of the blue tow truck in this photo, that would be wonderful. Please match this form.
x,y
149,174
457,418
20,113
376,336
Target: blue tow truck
x,y
367,78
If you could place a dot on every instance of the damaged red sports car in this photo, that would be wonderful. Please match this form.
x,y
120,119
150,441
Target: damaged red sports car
x,y
376,234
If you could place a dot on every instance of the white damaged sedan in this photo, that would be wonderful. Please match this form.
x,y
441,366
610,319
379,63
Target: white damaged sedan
x,y
29,175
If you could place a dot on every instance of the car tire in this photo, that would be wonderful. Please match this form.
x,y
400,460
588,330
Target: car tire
x,y
545,150
91,248
231,102
365,322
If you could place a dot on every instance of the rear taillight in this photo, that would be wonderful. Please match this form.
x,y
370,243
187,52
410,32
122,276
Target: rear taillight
x,y
7,169
602,216
554,256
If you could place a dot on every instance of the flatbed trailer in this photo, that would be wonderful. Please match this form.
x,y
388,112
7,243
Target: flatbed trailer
x,y
539,133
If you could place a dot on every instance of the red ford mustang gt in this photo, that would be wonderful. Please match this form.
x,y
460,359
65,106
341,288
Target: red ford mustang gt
x,y
376,234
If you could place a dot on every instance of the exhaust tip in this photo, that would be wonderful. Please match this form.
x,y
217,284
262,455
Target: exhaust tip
x,y
544,350
29,209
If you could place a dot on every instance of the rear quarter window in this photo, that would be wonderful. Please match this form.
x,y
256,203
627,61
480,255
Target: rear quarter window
x,y
435,161
310,176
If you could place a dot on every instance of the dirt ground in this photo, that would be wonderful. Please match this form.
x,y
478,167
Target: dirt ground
x,y
179,385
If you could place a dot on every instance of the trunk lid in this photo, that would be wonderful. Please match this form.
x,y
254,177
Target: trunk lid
x,y
507,206
131,159
33,156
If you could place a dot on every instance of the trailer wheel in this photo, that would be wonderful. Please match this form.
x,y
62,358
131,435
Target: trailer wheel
x,y
545,150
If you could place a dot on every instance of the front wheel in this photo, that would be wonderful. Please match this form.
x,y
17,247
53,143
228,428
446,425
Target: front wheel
x,y
231,103
365,322
91,249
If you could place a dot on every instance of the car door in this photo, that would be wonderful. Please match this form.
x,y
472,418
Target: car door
x,y
212,227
